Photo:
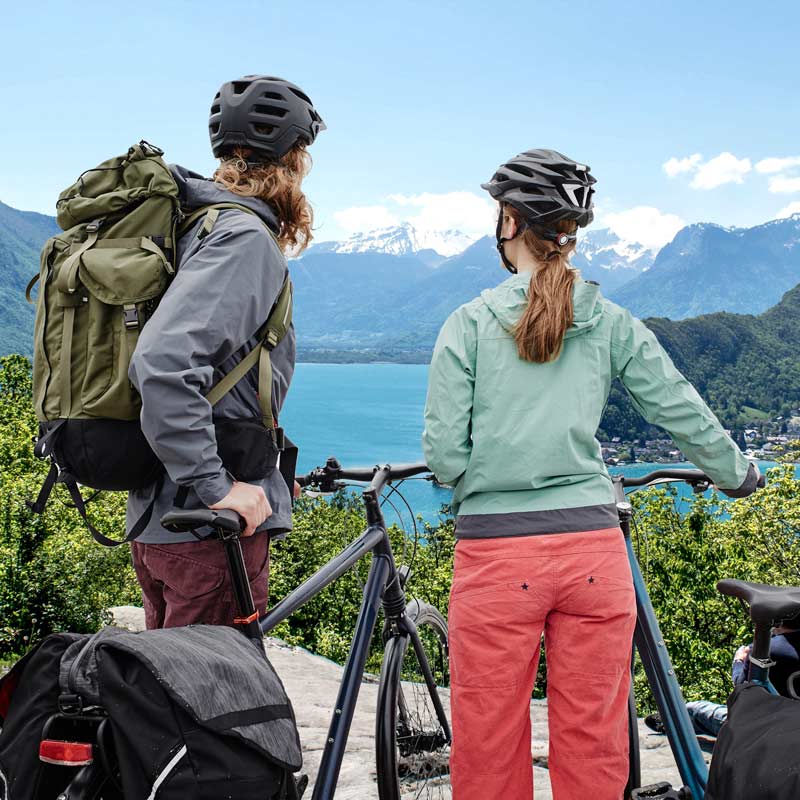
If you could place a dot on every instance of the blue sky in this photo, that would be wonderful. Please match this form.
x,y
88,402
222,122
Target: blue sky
x,y
424,99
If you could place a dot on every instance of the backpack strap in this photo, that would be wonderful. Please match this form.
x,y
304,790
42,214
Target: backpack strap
x,y
29,288
66,284
270,334
80,504
210,214
55,476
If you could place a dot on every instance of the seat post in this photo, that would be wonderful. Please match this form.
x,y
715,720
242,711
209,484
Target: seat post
x,y
248,614
760,660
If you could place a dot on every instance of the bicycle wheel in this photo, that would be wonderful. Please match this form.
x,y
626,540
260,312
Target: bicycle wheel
x,y
412,746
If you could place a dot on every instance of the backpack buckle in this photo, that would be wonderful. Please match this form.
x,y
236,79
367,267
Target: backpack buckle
x,y
131,316
70,704
94,225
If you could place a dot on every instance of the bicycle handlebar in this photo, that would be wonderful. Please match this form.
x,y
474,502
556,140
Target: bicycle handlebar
x,y
696,478
328,478
693,477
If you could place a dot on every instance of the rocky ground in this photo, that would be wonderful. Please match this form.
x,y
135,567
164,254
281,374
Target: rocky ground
x,y
312,683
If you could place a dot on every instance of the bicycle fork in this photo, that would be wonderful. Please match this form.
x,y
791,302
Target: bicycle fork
x,y
394,604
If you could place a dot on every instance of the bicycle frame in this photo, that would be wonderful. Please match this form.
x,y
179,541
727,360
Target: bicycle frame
x,y
382,588
658,668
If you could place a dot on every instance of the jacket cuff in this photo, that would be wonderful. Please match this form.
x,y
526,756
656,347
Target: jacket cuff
x,y
749,485
212,489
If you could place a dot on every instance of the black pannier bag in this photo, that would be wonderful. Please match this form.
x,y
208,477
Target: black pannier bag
x,y
757,753
32,685
191,712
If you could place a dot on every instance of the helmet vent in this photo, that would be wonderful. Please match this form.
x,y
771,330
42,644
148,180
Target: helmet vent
x,y
215,108
301,95
214,128
240,86
520,170
272,95
264,130
270,111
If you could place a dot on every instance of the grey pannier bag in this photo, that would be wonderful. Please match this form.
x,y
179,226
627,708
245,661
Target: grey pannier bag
x,y
195,712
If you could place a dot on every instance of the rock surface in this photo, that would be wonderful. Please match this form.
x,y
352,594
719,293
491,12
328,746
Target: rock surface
x,y
312,683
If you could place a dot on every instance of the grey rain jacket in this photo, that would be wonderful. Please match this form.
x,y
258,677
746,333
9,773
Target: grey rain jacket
x,y
224,290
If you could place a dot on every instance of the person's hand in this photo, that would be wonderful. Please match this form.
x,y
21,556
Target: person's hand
x,y
249,502
742,653
298,490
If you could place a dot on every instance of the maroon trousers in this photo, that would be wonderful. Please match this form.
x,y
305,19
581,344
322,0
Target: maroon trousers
x,y
188,583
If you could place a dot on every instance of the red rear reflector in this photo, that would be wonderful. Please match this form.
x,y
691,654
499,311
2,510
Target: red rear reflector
x,y
65,754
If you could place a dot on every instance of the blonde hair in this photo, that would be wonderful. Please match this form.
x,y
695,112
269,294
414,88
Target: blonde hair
x,y
277,184
539,333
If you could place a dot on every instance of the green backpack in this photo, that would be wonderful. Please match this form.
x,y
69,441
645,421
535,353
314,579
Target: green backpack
x,y
100,281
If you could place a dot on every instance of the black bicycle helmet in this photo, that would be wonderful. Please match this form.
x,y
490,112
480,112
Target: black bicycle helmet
x,y
545,187
266,114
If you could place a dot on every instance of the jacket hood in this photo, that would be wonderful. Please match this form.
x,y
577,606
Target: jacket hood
x,y
196,191
508,302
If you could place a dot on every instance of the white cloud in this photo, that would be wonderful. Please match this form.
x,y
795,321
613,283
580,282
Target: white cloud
x,y
792,208
427,212
770,165
725,168
782,184
359,219
644,224
676,166
463,211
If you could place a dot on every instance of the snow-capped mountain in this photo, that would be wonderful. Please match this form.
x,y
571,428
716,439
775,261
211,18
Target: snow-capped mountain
x,y
709,267
602,256
401,240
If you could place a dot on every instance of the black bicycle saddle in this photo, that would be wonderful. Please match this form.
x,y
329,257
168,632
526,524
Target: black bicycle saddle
x,y
179,520
768,604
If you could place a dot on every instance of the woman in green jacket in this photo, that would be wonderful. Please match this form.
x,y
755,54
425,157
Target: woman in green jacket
x,y
518,383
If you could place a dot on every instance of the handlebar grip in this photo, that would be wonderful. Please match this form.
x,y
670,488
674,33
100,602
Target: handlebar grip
x,y
224,519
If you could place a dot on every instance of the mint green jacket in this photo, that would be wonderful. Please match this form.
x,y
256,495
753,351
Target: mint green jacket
x,y
517,439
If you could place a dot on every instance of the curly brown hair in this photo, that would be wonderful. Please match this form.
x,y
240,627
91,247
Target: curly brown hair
x,y
277,184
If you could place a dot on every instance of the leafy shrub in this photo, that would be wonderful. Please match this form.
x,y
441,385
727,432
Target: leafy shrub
x,y
54,577
684,551
52,574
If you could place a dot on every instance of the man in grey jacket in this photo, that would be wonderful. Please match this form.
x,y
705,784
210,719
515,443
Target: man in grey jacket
x,y
230,274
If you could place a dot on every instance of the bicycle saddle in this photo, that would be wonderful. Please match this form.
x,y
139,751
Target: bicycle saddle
x,y
768,604
224,519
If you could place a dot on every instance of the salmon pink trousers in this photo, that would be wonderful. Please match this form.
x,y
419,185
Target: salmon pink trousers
x,y
577,589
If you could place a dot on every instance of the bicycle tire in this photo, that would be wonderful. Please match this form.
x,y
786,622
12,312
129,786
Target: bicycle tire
x,y
411,748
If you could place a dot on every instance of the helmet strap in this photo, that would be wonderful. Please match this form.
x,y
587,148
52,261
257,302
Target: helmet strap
x,y
558,237
501,244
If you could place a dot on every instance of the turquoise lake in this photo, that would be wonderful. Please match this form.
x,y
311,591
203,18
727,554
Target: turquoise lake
x,y
366,414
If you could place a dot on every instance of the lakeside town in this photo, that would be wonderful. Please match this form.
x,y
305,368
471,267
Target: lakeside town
x,y
763,440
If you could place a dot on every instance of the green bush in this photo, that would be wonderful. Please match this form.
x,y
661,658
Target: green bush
x,y
684,549
54,577
52,574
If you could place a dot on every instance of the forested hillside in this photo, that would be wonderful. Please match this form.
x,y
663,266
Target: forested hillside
x,y
743,365
22,234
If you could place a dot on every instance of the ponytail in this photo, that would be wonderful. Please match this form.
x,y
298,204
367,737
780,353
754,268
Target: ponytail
x,y
539,333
